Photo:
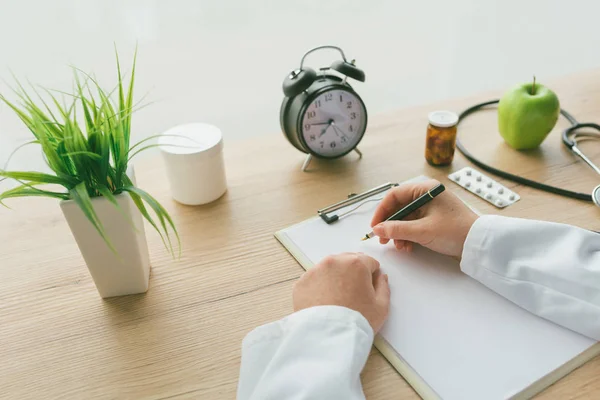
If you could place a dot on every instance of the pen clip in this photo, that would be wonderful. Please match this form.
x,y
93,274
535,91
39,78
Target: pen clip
x,y
353,198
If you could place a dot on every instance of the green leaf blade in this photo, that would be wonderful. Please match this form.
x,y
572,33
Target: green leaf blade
x,y
162,214
39,177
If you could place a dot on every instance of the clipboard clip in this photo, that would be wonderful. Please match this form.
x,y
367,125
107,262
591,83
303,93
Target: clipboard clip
x,y
353,198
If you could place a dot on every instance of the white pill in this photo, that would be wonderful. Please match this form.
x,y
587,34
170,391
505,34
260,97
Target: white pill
x,y
457,178
499,203
489,184
488,196
478,190
500,191
512,197
469,172
479,178
468,184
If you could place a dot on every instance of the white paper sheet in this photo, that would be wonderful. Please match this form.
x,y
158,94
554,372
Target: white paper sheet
x,y
463,340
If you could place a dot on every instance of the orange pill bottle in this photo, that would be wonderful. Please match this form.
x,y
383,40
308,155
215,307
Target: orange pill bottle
x,y
441,138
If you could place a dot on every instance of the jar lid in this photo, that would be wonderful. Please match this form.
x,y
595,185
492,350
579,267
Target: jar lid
x,y
443,119
192,139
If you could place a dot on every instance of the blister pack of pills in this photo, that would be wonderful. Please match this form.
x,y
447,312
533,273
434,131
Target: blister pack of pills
x,y
484,187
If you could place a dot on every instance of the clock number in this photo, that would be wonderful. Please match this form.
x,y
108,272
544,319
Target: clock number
x,y
311,114
350,128
317,103
341,100
332,145
322,143
344,139
313,138
307,127
352,115
349,104
328,96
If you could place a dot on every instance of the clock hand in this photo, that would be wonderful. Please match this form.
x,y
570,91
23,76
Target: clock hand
x,y
331,122
324,130
335,128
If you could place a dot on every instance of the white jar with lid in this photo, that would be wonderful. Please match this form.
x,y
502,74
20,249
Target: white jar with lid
x,y
193,155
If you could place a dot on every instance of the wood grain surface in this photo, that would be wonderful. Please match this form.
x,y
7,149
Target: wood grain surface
x,y
181,339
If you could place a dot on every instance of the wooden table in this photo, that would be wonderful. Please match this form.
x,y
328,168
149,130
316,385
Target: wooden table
x,y
182,338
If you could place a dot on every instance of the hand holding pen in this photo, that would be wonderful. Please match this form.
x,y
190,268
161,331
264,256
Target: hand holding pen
x,y
440,224
412,206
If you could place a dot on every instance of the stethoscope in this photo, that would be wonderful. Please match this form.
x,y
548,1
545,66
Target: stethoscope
x,y
570,138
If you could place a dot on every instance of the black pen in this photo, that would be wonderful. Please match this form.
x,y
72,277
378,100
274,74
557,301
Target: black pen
x,y
416,204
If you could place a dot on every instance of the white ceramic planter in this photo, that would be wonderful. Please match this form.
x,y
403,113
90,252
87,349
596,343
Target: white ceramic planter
x,y
127,271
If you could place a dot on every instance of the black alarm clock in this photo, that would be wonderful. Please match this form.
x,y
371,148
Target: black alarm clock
x,y
321,114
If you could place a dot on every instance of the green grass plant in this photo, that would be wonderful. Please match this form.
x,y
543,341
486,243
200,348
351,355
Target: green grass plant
x,y
86,144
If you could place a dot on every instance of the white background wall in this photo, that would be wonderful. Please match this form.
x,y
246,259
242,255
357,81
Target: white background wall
x,y
223,61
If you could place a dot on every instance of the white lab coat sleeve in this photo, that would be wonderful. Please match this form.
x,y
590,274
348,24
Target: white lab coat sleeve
x,y
549,269
315,353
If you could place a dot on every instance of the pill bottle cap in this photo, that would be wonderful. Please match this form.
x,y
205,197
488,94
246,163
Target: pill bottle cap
x,y
443,119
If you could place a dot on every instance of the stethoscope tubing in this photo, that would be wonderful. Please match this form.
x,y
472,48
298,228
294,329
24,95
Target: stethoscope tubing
x,y
569,140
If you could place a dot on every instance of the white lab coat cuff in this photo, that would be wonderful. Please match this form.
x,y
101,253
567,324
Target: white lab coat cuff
x,y
551,270
317,316
315,353
475,245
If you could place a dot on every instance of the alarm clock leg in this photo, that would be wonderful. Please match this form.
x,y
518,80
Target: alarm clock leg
x,y
306,162
358,152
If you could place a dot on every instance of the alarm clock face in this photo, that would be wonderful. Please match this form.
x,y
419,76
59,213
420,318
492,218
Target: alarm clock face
x,y
334,123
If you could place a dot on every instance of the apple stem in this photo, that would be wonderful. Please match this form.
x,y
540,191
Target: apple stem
x,y
533,86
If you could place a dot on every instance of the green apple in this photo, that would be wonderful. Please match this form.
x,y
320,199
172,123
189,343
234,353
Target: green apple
x,y
526,115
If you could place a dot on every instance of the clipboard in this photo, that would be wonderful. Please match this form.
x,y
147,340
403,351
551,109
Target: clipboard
x,y
575,349
332,214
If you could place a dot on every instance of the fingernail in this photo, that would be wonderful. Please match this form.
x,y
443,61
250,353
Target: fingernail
x,y
385,277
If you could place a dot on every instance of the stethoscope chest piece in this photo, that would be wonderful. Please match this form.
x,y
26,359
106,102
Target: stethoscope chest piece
x,y
596,195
